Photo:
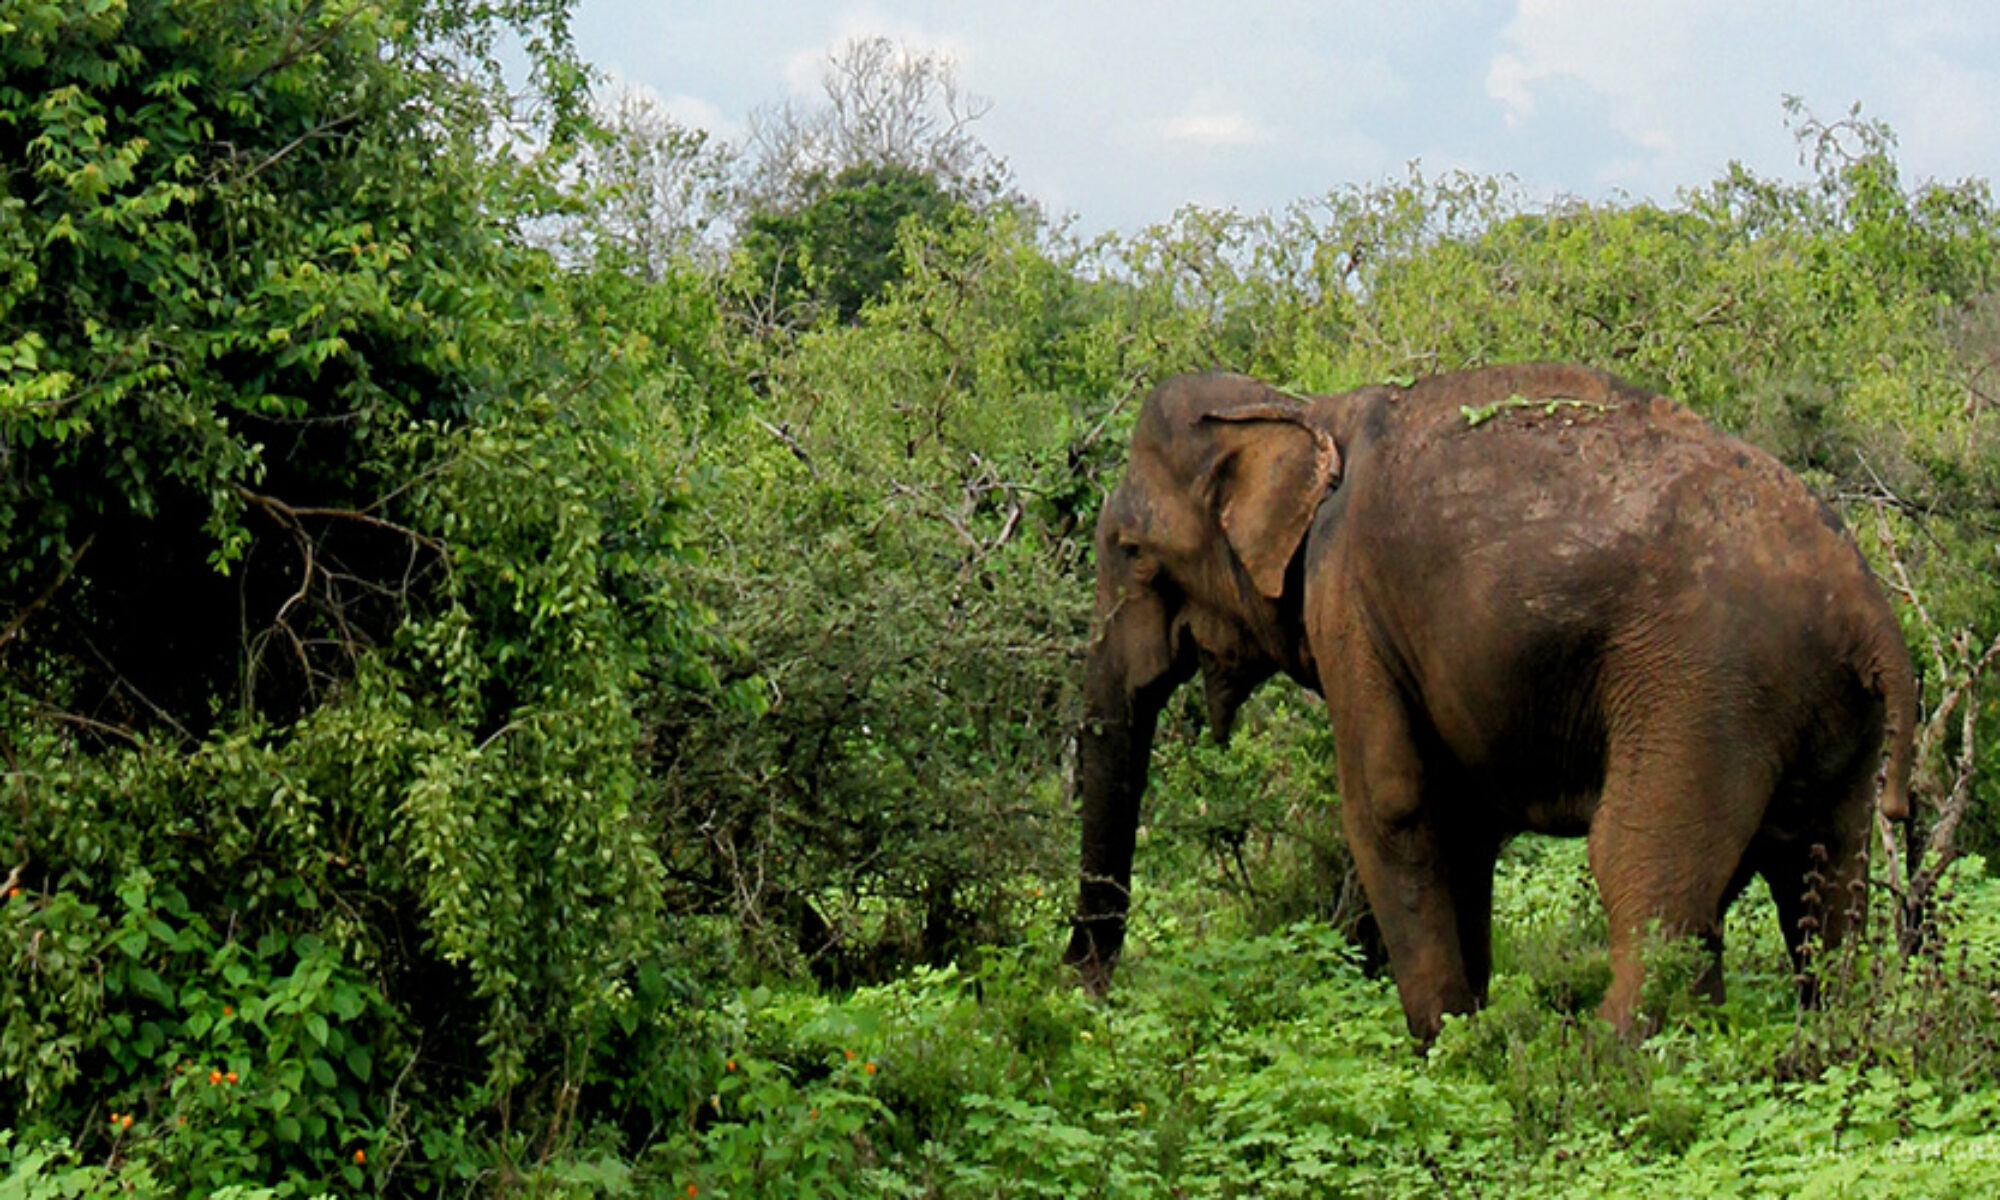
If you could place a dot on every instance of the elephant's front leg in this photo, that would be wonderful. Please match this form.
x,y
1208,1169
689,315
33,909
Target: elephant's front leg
x,y
1406,875
1407,868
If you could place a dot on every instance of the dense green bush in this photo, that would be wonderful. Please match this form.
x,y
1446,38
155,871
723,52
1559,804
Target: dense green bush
x,y
341,535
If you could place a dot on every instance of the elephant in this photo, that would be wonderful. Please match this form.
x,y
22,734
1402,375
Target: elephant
x,y
1535,598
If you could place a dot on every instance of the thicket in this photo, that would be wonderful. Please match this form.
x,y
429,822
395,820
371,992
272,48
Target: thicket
x,y
538,651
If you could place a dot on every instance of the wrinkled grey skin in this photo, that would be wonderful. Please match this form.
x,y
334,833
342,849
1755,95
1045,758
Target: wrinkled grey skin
x,y
1534,599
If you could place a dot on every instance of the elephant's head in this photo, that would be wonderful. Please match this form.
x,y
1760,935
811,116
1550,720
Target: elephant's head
x,y
1196,554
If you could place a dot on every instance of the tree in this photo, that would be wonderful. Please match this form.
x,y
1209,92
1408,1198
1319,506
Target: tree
x,y
829,186
838,251
342,534
887,106
653,192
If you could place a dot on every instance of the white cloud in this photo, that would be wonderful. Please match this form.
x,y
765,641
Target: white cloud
x,y
1940,93
697,113
1684,85
1688,85
1213,121
690,112
1643,59
1509,81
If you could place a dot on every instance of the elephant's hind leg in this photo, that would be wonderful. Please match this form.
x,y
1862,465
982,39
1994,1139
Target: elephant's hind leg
x,y
1819,877
1666,846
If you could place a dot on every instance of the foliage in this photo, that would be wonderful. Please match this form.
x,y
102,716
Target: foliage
x,y
1230,1064
342,529
883,557
837,251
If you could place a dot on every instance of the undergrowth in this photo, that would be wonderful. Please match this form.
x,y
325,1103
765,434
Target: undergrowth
x,y
1233,1063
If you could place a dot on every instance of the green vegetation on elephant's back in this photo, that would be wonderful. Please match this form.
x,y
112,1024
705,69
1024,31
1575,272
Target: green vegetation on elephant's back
x,y
495,703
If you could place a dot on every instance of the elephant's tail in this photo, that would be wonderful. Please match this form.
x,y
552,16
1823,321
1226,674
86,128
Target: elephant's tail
x,y
1897,685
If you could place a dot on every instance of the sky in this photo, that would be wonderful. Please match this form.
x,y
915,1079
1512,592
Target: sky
x,y
1119,113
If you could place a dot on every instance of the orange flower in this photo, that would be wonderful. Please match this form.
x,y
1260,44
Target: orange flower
x,y
849,1054
125,1122
114,1116
731,1064
360,1157
228,1011
870,1068
13,892
214,1077
231,1077
691,1189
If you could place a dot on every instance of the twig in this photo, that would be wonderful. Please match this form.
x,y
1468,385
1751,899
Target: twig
x,y
790,443
70,718
14,626
126,685
361,516
1117,406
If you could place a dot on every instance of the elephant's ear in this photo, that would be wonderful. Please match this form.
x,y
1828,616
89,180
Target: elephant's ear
x,y
1270,474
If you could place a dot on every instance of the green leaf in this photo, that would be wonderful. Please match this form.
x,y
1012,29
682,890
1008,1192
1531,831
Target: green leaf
x,y
347,1003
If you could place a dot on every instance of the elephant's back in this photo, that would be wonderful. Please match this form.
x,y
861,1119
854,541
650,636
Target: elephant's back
x,y
1563,464
1548,523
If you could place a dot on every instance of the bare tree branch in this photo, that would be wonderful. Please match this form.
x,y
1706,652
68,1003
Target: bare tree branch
x,y
1940,785
20,619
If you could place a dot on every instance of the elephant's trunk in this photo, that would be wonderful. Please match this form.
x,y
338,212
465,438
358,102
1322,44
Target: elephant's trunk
x,y
1114,747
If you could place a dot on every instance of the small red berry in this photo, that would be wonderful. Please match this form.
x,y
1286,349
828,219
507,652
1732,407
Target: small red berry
x,y
214,1077
870,1068
731,1064
125,1122
360,1157
231,1077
